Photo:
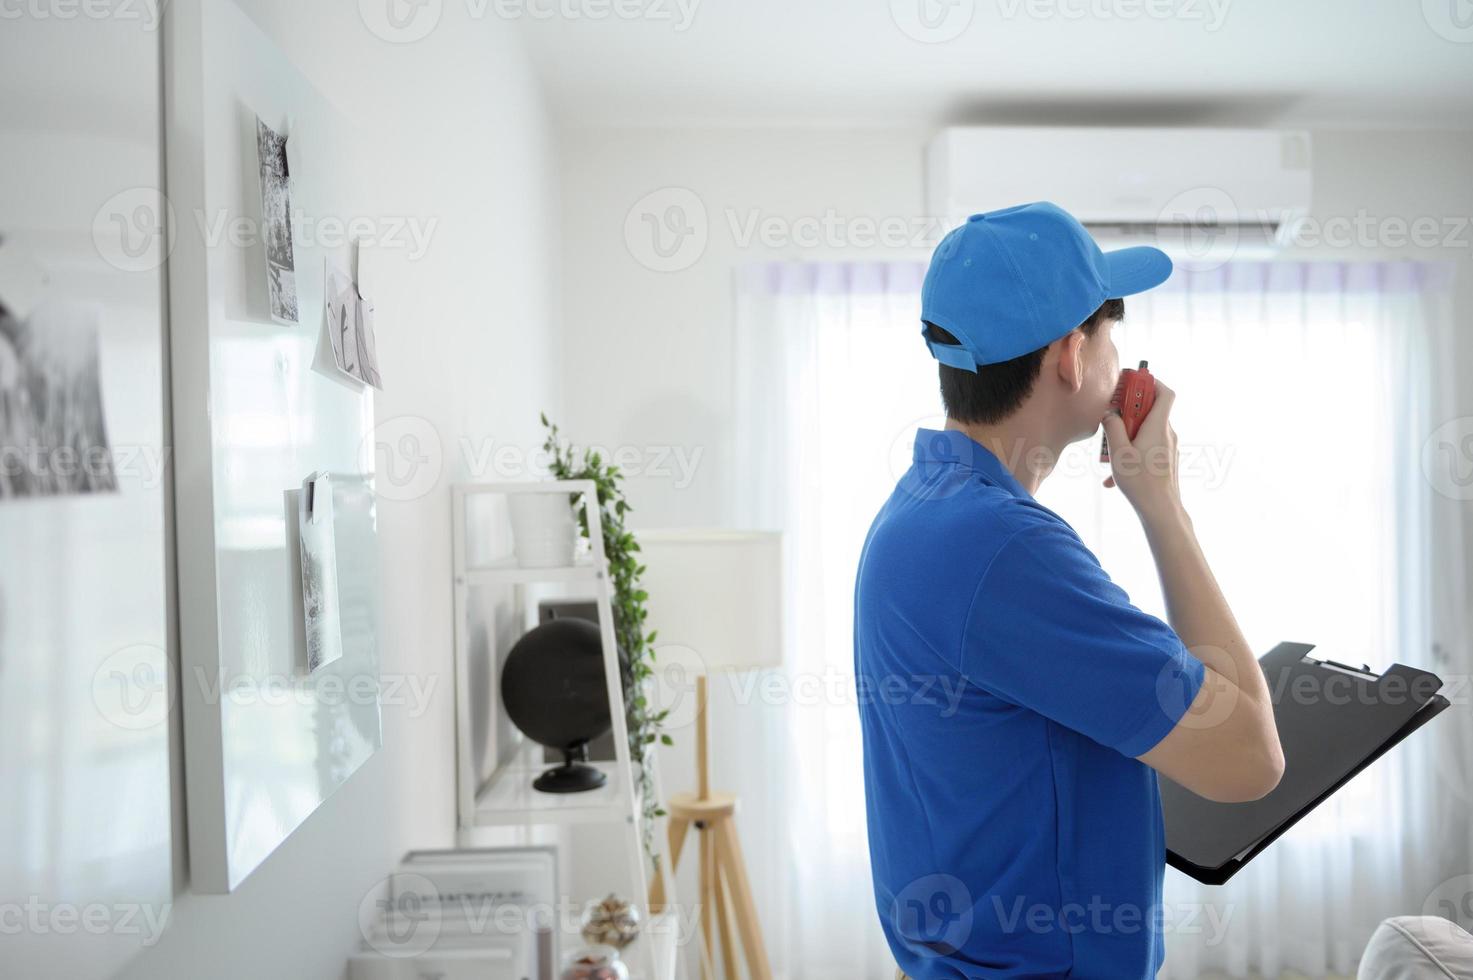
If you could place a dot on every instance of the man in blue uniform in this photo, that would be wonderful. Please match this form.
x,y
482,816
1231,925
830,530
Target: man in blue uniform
x,y
1018,832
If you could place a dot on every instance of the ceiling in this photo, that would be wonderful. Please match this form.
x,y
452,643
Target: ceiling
x,y
1399,63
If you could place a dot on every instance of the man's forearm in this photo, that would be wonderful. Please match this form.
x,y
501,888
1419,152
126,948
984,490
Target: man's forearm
x,y
1195,605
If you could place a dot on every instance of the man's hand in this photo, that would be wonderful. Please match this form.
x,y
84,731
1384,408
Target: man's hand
x,y
1145,468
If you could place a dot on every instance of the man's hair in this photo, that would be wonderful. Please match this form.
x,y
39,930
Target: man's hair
x,y
996,391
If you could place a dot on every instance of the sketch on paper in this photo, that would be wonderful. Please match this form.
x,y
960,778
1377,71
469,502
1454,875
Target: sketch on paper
x,y
276,223
323,623
53,430
350,329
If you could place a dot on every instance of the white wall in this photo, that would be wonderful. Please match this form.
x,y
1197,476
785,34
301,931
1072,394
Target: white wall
x,y
467,340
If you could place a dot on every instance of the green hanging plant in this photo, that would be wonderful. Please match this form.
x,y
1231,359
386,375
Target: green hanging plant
x,y
636,649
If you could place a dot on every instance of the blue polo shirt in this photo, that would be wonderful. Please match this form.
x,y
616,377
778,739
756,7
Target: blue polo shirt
x,y
1006,686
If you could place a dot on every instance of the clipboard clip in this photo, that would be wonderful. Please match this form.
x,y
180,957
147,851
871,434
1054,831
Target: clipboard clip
x,y
1364,670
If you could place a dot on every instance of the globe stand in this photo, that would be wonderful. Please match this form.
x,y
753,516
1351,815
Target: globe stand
x,y
573,776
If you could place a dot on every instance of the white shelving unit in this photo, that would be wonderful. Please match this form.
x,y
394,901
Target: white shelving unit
x,y
493,779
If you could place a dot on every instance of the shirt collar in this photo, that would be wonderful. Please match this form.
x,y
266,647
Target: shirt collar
x,y
949,447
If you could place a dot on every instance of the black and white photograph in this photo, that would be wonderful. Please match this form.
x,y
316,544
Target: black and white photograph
x,y
319,573
350,328
53,427
276,223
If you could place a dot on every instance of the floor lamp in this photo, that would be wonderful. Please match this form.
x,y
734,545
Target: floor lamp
x,y
719,595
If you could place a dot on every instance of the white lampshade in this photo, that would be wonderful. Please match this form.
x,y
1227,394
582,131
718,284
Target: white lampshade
x,y
717,593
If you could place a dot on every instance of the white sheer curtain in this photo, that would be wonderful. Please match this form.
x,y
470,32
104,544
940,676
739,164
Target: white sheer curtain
x,y
1307,393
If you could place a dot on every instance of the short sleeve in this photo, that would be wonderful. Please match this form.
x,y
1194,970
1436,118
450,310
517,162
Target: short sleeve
x,y
1050,632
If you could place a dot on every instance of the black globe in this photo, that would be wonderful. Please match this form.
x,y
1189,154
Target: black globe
x,y
555,691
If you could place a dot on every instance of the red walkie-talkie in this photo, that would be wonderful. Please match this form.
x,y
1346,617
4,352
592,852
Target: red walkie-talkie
x,y
1135,393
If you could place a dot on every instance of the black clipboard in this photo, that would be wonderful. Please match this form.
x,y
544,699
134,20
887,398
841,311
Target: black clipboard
x,y
1334,720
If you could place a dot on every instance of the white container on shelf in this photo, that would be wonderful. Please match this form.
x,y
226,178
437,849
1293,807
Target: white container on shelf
x,y
544,534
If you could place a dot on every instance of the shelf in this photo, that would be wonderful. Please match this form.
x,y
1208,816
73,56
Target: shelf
x,y
508,572
508,799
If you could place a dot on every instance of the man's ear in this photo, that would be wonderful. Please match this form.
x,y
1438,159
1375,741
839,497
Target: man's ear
x,y
1071,359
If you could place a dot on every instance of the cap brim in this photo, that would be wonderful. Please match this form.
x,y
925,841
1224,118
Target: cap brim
x,y
1135,270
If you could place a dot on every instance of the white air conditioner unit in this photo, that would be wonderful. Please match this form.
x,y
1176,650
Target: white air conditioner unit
x,y
1200,194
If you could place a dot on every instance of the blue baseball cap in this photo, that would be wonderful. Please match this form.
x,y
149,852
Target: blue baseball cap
x,y
1011,281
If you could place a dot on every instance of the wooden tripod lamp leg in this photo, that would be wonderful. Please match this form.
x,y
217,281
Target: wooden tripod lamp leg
x,y
709,883
723,922
703,759
730,855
